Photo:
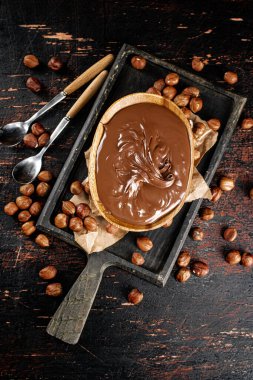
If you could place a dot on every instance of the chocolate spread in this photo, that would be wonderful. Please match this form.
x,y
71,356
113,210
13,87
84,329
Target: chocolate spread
x,y
143,163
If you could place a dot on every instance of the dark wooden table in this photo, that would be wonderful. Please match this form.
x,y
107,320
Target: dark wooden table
x,y
200,330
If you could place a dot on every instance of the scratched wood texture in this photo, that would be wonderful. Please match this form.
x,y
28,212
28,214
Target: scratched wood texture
x,y
200,330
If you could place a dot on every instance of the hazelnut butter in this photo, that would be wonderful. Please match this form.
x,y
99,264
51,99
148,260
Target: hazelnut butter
x,y
143,163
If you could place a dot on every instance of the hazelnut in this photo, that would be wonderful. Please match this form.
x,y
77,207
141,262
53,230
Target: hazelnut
x,y
68,208
197,64
37,129
184,259
197,234
10,208
186,112
247,123
31,61
42,240
199,268
172,79
206,214
138,62
214,124
28,228
153,90
137,258
43,139
169,92
183,275
247,259
30,140
135,296
33,84
159,84
233,257
48,273
191,91
111,229
198,130
54,290
82,210
36,208
227,184
181,100
230,234
45,176
27,189
230,77
196,104
24,216
55,63
216,193
43,189
61,220
90,224
23,202
86,187
196,154
251,193
144,243
76,188
76,224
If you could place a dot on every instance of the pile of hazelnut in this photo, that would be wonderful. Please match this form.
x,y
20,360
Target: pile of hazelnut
x,y
48,273
37,138
198,268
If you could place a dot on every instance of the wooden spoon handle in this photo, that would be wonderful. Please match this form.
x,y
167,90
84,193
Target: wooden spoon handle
x,y
87,94
89,74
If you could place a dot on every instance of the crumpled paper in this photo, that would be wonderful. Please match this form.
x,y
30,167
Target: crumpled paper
x,y
99,240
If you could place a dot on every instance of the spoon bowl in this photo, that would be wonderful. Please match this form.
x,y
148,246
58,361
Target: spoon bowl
x,y
27,170
11,134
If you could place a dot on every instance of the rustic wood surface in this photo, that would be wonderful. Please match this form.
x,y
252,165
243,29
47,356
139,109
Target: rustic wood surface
x,y
200,330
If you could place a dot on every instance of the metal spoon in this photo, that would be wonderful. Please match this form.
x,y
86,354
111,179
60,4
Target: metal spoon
x,y
27,170
11,134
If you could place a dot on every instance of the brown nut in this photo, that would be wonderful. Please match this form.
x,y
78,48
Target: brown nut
x,y
159,84
233,257
197,234
214,124
111,229
27,189
247,259
197,64
216,193
55,63
198,130
61,220
43,139
186,112
230,77
135,296
82,210
34,84
76,188
227,184
183,275
28,228
23,202
169,92
191,91
137,258
144,243
230,234
206,214
54,290
183,259
36,208
76,224
48,273
200,269
247,123
10,208
45,176
138,62
86,187
172,79
42,240
31,61
196,104
37,129
251,193
30,141
43,189
90,224
153,90
24,216
181,100
196,154
68,208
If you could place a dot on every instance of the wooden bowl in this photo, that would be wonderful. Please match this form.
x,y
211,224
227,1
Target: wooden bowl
x,y
111,111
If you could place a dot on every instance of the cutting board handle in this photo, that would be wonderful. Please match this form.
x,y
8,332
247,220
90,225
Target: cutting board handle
x,y
68,321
